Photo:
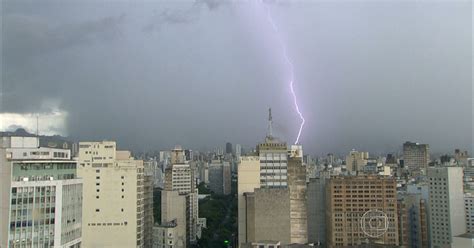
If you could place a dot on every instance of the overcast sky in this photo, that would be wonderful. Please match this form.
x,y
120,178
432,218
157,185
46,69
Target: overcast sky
x,y
151,74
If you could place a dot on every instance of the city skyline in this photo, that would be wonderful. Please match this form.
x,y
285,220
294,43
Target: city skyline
x,y
139,73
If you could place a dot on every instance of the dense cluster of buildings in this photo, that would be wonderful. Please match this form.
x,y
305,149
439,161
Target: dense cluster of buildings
x,y
287,199
91,194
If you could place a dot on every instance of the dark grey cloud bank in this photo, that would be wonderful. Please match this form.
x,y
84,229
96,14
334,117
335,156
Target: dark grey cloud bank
x,y
369,74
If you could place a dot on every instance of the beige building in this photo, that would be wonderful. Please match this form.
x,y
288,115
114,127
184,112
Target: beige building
x,y
272,213
173,221
349,198
249,180
356,161
180,178
113,208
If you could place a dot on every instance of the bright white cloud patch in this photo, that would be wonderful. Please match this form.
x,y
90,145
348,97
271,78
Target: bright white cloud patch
x,y
49,123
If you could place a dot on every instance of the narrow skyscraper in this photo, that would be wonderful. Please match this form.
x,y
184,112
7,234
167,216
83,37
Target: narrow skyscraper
x,y
447,213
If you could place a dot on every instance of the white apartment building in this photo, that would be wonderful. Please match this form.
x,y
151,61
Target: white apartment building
x,y
40,195
447,213
469,208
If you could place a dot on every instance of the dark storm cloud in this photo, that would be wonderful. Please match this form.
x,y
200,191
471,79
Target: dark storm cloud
x,y
27,36
29,40
187,14
369,75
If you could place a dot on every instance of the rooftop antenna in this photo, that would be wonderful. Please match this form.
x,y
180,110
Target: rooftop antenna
x,y
270,123
37,130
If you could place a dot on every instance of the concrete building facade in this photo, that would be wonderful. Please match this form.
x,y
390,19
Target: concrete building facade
x,y
220,177
180,177
416,156
248,180
412,221
349,198
316,207
356,161
447,211
469,208
40,195
173,220
114,201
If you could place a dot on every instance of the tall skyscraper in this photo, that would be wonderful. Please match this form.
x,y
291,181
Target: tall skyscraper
x,y
248,180
416,156
469,207
349,199
148,172
275,213
238,151
316,207
447,213
272,194
40,195
273,160
113,207
228,148
219,177
180,177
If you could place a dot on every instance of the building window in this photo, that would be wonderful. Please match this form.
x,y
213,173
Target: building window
x,y
97,210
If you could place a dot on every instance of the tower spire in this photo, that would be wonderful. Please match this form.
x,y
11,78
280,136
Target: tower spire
x,y
270,123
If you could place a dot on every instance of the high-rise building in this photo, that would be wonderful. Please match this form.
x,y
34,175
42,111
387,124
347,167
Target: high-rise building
x,y
447,213
350,199
180,177
219,177
469,207
277,213
316,211
248,180
272,194
412,220
356,161
114,200
228,148
203,170
40,195
174,216
298,197
416,156
238,151
148,171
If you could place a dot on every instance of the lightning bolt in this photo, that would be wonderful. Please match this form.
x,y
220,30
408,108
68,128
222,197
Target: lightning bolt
x,y
290,65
